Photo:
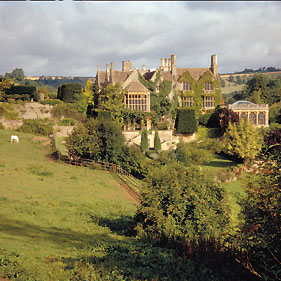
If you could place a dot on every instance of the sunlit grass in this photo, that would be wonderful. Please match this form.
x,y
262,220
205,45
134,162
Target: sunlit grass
x,y
47,208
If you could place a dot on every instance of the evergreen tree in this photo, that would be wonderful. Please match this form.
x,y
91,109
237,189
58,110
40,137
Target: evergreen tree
x,y
144,141
157,142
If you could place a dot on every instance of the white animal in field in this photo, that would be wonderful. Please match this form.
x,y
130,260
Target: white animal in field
x,y
15,139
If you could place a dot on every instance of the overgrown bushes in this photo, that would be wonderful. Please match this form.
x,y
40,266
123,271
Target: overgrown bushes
x,y
40,127
66,110
181,205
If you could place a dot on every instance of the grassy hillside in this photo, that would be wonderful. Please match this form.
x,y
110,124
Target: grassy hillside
x,y
61,222
50,210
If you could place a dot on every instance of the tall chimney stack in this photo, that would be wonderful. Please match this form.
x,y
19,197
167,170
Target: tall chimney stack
x,y
214,64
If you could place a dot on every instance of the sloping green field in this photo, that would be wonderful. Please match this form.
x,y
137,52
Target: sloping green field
x,y
50,210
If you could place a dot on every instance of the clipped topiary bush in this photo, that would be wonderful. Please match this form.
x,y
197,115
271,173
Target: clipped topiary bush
x,y
67,92
186,121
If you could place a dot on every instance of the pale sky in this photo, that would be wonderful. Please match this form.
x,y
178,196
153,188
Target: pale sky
x,y
70,38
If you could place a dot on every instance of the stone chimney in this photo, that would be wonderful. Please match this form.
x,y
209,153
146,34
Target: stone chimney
x,y
111,72
98,74
107,72
214,64
174,70
162,63
126,66
143,68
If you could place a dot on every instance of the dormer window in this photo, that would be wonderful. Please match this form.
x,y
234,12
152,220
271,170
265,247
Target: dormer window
x,y
186,86
208,86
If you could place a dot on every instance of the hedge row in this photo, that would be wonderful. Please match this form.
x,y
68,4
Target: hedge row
x,y
186,121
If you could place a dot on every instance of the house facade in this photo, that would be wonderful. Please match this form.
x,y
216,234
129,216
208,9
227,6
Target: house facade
x,y
197,88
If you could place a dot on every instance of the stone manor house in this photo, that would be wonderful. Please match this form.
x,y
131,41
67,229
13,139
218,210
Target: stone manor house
x,y
195,86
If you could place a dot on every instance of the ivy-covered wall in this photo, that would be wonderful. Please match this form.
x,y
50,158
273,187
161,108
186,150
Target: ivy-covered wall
x,y
197,90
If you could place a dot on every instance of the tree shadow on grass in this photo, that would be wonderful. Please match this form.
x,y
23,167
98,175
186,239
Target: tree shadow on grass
x,y
223,162
123,225
56,235
137,260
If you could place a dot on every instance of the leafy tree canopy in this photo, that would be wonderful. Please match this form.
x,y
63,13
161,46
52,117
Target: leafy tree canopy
x,y
17,74
242,140
181,205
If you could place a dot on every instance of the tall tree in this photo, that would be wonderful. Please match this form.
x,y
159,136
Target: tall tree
x,y
144,141
88,92
242,140
157,142
17,74
111,98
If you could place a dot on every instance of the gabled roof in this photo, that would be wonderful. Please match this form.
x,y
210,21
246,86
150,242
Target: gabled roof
x,y
120,76
136,86
148,75
196,73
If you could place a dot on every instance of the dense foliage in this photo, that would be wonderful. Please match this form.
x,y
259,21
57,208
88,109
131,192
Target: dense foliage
x,y
40,127
181,205
186,121
221,118
272,144
262,88
261,229
69,92
17,74
97,140
67,110
242,140
21,92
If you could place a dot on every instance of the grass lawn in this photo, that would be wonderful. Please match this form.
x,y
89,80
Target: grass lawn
x,y
219,163
51,210
234,189
235,192
61,222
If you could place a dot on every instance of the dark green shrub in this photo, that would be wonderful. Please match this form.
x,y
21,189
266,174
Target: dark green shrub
x,y
203,119
157,142
1,126
144,141
186,121
67,92
40,127
21,92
